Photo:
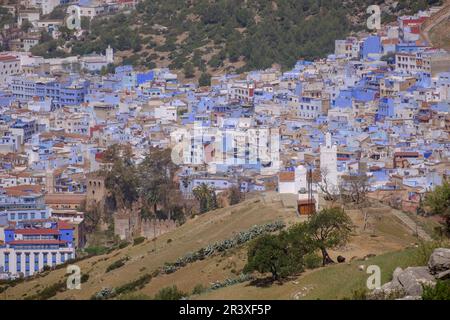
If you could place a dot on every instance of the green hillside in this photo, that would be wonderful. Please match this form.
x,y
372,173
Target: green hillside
x,y
204,35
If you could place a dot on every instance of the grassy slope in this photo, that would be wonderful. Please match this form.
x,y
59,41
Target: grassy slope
x,y
383,234
196,233
333,282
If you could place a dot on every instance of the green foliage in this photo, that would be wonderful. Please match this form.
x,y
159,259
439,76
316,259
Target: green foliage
x,y
198,289
138,240
96,250
425,249
238,239
359,294
312,260
122,180
439,202
188,69
49,291
204,80
133,285
441,291
262,32
48,49
289,252
170,293
206,197
59,12
328,229
116,264
270,253
5,17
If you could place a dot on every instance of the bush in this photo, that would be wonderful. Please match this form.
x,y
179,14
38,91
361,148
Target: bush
x,y
138,240
123,244
134,285
441,291
359,294
170,293
198,289
49,291
425,250
96,251
116,264
312,260
84,278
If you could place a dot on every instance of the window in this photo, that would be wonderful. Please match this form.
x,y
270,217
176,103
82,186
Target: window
x,y
6,262
36,262
19,262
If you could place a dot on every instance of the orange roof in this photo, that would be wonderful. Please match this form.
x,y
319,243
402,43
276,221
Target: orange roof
x,y
23,190
64,198
286,176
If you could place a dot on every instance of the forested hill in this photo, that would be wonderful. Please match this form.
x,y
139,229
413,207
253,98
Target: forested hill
x,y
200,35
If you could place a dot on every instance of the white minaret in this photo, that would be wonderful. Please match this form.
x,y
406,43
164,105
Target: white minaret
x,y
109,54
328,162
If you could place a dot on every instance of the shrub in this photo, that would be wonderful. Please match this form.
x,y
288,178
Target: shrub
x,y
138,240
84,278
123,244
425,250
312,260
116,264
96,251
170,293
441,291
49,291
359,294
134,285
198,289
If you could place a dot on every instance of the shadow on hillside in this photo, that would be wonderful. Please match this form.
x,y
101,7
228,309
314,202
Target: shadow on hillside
x,y
268,282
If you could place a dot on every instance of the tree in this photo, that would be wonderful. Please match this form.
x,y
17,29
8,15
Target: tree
x,y
92,216
270,253
122,180
188,69
439,202
156,183
204,80
330,191
235,195
26,25
354,187
329,229
206,196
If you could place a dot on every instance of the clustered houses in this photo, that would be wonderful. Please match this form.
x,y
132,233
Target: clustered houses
x,y
378,106
34,13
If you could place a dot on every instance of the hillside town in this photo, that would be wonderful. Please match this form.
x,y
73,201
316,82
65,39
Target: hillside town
x,y
378,108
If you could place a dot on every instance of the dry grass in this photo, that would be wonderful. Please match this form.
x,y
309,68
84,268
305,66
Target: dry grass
x,y
384,233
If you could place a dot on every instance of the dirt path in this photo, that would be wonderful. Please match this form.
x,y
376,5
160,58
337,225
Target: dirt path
x,y
434,20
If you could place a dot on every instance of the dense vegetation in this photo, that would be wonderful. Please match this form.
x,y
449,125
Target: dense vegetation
x,y
202,34
438,202
291,251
